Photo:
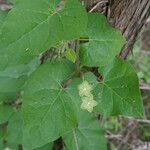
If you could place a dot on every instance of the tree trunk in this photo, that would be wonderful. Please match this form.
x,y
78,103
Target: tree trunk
x,y
127,15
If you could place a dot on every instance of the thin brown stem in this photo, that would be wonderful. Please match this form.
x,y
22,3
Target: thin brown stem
x,y
78,57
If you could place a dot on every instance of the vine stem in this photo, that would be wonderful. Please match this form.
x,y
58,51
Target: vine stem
x,y
78,57
75,139
99,3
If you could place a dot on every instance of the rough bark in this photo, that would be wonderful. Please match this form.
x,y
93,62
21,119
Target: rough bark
x,y
127,15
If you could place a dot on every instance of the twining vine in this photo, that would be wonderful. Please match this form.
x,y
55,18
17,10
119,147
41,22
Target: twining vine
x,y
59,68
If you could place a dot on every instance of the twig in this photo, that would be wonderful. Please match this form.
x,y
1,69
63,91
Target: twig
x,y
64,147
99,3
143,121
138,120
126,138
145,86
145,52
77,54
113,136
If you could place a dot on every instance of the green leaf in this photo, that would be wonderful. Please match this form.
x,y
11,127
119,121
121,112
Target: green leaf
x,y
48,110
104,43
117,94
120,94
14,129
71,55
8,96
87,136
13,1
5,112
2,132
1,144
3,15
34,26
11,82
12,79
